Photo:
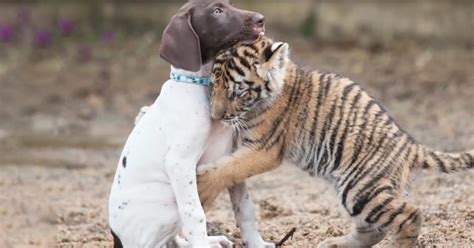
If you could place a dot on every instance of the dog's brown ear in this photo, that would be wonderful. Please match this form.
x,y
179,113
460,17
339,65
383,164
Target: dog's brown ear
x,y
180,44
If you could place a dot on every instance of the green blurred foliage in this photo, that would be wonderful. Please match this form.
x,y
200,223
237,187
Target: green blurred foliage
x,y
309,24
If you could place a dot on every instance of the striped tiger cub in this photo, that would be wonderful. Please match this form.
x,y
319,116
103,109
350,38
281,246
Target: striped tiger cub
x,y
328,126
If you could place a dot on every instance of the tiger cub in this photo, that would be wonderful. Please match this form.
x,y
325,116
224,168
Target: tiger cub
x,y
328,126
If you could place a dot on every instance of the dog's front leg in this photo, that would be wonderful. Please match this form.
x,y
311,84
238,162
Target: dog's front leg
x,y
180,165
220,143
244,212
182,178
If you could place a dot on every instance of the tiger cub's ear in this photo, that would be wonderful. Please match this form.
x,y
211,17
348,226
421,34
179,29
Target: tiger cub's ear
x,y
276,55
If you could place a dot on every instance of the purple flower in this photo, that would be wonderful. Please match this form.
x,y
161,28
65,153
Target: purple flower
x,y
66,27
108,37
6,33
42,38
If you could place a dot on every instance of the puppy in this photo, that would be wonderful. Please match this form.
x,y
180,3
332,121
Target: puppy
x,y
154,193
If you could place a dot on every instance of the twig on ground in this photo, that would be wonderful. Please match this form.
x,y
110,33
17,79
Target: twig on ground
x,y
287,236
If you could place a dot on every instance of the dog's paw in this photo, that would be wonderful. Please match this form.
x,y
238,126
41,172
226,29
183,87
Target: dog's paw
x,y
268,245
255,240
259,244
220,242
140,114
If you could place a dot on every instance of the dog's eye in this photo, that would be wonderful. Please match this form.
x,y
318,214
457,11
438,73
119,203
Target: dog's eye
x,y
217,11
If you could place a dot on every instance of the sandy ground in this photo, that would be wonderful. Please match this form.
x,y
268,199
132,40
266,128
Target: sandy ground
x,y
62,125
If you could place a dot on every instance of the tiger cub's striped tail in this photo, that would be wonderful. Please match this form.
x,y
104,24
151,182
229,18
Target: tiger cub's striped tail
x,y
445,162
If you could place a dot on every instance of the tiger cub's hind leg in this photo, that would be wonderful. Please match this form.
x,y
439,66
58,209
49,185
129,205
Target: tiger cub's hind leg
x,y
385,212
399,218
406,228
361,237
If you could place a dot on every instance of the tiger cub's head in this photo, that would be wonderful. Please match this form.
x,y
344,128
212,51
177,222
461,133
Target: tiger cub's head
x,y
247,76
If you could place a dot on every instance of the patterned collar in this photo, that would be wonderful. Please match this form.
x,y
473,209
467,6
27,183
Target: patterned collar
x,y
178,77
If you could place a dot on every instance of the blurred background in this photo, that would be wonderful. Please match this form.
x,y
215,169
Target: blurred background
x,y
73,75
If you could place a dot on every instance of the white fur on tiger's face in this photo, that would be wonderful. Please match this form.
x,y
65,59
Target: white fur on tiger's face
x,y
328,126
239,85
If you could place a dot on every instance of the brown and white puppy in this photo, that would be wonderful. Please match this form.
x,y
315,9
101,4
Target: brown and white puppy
x,y
154,195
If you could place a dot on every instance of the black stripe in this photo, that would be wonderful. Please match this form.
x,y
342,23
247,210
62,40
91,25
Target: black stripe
x,y
394,215
470,160
228,76
332,140
342,139
302,116
358,169
252,125
325,128
231,64
312,132
375,152
439,162
276,123
250,83
377,212
413,216
238,69
219,61
358,140
370,142
276,139
293,101
382,172
369,154
248,142
249,54
267,86
250,45
414,162
281,153
366,198
268,53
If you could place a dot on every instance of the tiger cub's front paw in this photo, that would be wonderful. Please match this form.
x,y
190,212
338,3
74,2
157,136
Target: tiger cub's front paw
x,y
210,185
205,168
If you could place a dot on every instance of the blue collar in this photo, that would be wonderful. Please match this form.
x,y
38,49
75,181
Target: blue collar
x,y
203,81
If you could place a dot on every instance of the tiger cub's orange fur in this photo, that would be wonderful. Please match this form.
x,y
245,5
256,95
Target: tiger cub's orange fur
x,y
328,126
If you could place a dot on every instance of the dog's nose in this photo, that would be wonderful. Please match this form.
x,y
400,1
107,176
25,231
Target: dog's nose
x,y
259,20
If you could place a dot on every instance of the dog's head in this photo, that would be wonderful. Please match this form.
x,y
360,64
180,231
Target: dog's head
x,y
203,27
